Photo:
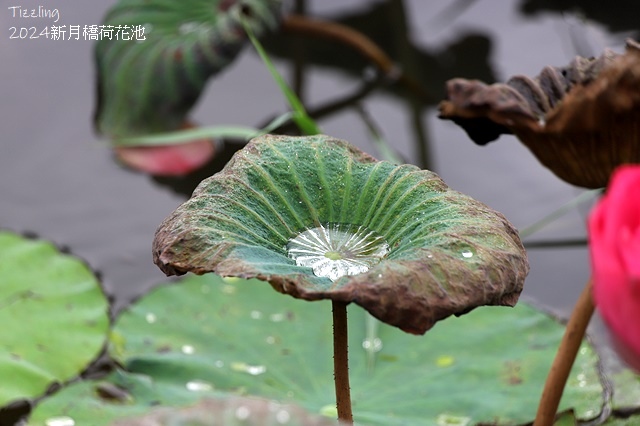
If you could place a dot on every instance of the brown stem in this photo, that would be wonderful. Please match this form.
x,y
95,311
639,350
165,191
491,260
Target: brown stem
x,y
565,357
363,44
299,61
341,361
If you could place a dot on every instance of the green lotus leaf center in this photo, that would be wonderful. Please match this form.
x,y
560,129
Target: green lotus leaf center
x,y
336,250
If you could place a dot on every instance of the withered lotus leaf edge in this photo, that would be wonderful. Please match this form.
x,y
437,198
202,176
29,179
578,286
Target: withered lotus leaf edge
x,y
580,121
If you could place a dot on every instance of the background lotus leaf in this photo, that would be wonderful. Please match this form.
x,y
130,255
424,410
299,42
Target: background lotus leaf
x,y
448,253
237,336
147,86
53,313
580,121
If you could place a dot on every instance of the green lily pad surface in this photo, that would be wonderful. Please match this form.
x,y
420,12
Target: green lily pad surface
x,y
236,336
393,239
153,68
53,313
126,399
230,411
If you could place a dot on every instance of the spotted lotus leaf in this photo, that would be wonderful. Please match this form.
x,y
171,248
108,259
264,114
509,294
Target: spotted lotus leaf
x,y
319,219
155,56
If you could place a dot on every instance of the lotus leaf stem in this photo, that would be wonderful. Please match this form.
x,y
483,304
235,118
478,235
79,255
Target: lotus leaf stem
x,y
565,357
300,24
341,361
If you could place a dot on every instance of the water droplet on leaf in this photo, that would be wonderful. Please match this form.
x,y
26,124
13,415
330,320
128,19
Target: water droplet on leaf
x,y
283,417
254,370
199,386
277,317
337,250
242,413
60,421
372,345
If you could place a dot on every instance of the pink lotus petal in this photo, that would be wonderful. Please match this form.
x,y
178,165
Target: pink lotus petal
x,y
626,352
614,242
171,160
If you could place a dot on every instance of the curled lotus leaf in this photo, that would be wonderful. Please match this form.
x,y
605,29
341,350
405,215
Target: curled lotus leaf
x,y
160,54
580,121
319,219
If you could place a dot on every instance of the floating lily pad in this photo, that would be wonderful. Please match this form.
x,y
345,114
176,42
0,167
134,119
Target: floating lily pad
x,y
235,336
54,317
153,71
320,219
230,411
126,399
120,395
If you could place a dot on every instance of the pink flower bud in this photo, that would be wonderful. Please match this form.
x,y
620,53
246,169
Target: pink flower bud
x,y
171,160
614,241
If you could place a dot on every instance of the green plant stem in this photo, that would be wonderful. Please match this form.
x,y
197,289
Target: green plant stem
x,y
565,357
341,361
302,119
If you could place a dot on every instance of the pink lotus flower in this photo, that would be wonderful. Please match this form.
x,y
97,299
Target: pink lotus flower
x,y
168,160
614,241
172,160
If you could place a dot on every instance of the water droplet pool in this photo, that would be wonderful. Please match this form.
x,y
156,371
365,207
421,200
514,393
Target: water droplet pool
x,y
467,254
256,315
187,349
150,318
199,386
60,421
336,250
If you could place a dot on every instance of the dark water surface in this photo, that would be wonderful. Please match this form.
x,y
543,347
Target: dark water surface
x,y
59,181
